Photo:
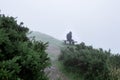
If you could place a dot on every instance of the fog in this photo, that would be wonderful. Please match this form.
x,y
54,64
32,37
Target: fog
x,y
95,22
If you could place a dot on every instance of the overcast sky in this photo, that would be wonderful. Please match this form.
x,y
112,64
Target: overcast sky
x,y
95,22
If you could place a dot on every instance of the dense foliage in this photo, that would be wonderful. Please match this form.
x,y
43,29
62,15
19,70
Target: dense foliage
x,y
92,64
20,58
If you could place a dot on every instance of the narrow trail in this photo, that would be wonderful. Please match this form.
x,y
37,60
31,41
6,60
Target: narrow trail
x,y
53,72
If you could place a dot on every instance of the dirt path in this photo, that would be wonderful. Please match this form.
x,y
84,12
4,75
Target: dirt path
x,y
53,72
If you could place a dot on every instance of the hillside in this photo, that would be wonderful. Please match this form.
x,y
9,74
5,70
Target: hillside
x,y
45,38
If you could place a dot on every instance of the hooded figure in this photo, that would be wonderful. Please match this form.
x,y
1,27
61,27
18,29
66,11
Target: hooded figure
x,y
69,37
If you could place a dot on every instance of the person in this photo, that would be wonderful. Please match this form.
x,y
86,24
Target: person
x,y
69,37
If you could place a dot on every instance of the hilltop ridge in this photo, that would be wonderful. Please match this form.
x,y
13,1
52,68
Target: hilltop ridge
x,y
45,38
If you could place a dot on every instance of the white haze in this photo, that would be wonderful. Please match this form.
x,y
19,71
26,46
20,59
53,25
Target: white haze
x,y
95,22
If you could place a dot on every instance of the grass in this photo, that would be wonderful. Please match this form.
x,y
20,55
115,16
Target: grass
x,y
70,75
45,38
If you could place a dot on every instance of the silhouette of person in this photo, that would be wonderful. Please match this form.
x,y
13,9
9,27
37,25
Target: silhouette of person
x,y
69,37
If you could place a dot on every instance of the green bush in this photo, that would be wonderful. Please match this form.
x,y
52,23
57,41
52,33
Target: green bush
x,y
20,58
115,66
93,64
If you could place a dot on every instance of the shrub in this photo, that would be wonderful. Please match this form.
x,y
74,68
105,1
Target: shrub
x,y
115,67
93,64
20,58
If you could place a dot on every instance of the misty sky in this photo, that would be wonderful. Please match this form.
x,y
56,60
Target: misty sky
x,y
95,22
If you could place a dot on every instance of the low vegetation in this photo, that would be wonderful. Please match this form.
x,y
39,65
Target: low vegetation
x,y
89,63
20,58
